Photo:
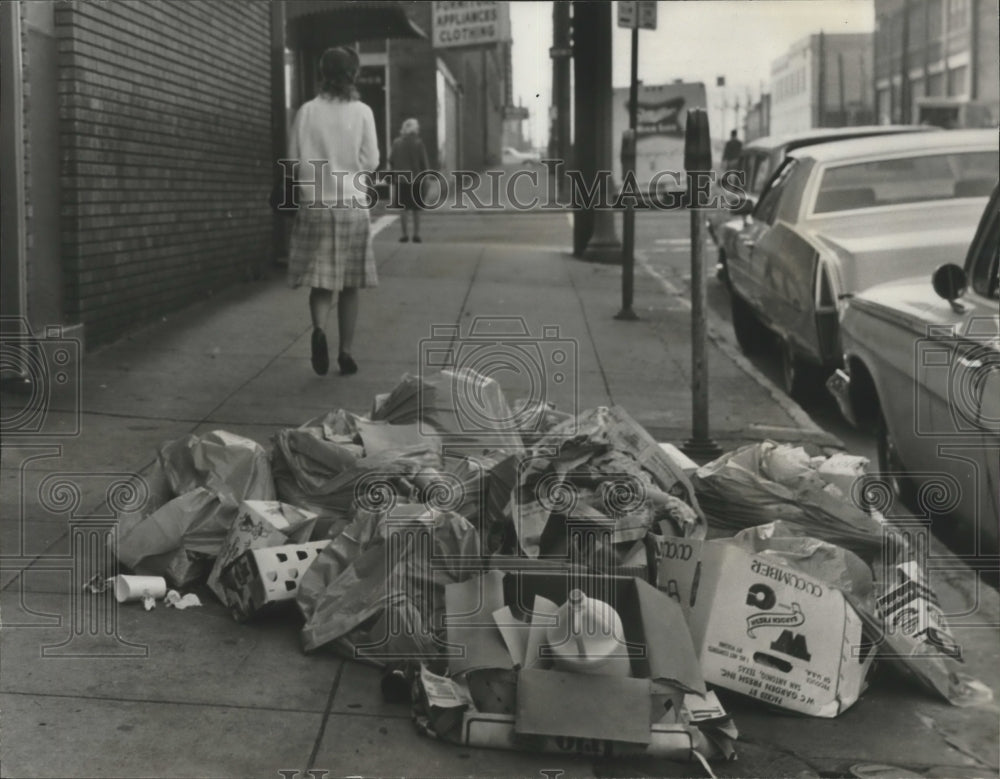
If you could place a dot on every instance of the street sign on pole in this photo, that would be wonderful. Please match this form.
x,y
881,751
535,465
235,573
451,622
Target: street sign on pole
x,y
639,14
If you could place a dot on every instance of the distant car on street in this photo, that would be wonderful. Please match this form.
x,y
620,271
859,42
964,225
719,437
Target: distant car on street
x,y
761,157
512,156
837,218
922,370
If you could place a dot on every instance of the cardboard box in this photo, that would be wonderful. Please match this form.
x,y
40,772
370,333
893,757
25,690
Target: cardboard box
x,y
763,629
698,725
259,524
262,577
522,605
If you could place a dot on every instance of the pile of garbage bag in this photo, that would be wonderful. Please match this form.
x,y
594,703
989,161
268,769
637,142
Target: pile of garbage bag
x,y
388,530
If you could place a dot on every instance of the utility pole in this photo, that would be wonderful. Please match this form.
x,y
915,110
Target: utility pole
x,y
596,239
821,83
561,52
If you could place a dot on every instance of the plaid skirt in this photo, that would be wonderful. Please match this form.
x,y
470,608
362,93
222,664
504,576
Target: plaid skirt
x,y
331,248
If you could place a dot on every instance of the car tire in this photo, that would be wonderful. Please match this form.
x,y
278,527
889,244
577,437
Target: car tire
x,y
891,470
750,333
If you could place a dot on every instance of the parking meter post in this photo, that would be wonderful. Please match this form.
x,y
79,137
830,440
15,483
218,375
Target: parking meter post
x,y
628,232
698,163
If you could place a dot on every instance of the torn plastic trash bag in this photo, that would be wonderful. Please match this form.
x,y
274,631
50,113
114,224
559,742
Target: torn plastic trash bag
x,y
232,466
535,418
468,409
900,610
178,541
321,474
375,590
763,482
608,442
558,487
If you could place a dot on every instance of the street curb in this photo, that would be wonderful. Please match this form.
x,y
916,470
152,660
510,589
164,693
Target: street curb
x,y
809,428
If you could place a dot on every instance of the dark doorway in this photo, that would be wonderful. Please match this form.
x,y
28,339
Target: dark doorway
x,y
371,88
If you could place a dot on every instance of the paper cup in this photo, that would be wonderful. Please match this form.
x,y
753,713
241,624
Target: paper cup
x,y
139,587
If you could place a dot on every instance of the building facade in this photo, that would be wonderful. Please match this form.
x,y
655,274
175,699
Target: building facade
x,y
937,61
757,122
459,95
822,80
139,177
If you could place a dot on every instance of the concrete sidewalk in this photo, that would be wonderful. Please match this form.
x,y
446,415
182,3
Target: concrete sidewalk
x,y
191,693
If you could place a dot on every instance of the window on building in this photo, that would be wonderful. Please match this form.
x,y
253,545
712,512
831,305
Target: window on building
x,y
958,81
918,27
958,14
935,85
934,20
883,105
916,88
895,34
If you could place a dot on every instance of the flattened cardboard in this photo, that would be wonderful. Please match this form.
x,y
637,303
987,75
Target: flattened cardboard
x,y
514,634
777,635
470,626
381,437
558,704
678,567
543,615
670,654
553,703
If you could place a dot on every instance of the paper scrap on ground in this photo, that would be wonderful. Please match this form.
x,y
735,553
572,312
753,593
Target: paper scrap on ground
x,y
177,601
97,584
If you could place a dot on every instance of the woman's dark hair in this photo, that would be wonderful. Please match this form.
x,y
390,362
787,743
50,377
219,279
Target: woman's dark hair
x,y
338,69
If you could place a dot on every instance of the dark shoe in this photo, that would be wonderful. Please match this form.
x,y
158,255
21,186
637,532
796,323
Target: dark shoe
x,y
417,239
347,364
404,238
320,355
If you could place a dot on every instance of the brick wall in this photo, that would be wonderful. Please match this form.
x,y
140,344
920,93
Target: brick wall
x,y
165,143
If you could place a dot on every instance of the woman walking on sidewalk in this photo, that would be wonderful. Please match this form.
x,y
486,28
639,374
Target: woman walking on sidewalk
x,y
408,158
333,139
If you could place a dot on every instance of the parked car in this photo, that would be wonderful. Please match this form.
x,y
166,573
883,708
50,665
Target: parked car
x,y
837,218
922,370
512,156
761,157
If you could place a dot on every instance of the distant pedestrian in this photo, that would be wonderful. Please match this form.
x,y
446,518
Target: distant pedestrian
x,y
331,243
407,159
732,151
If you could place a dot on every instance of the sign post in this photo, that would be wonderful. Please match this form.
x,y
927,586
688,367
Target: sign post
x,y
697,166
632,15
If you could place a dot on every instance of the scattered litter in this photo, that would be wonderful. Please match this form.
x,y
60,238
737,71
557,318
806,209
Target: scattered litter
x,y
174,599
533,540
144,588
97,585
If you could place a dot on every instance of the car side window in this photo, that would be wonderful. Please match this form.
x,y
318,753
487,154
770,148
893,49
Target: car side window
x,y
760,174
767,208
985,257
748,164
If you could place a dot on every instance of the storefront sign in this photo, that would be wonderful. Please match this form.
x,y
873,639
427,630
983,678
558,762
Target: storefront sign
x,y
473,23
